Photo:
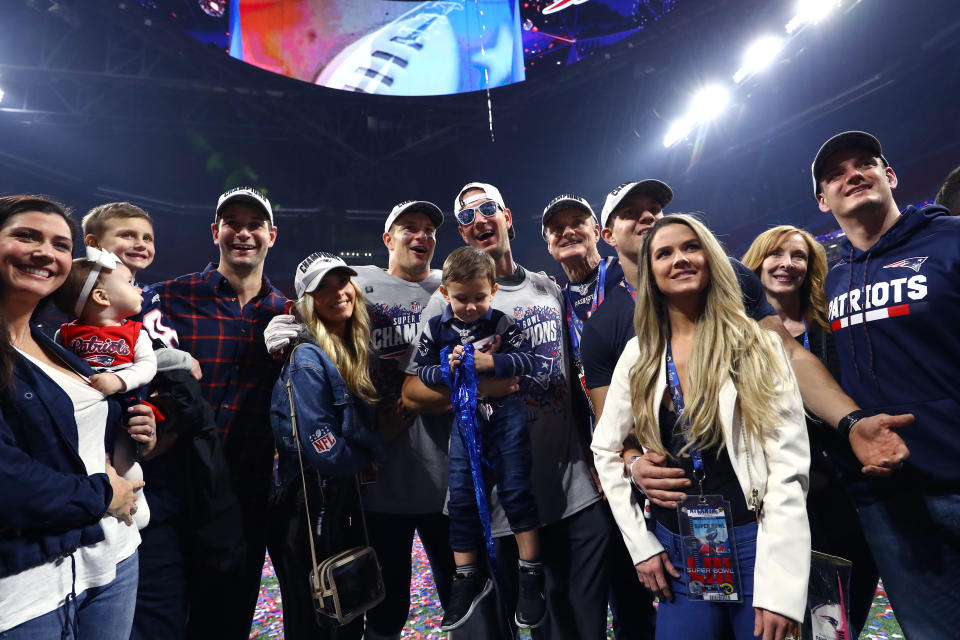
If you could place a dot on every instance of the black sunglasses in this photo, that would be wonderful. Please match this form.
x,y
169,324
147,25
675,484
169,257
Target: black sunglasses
x,y
488,209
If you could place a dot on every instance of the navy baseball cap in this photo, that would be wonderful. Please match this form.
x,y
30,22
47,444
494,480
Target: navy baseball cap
x,y
560,203
845,140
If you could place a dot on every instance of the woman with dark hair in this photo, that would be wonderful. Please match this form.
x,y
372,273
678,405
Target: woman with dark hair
x,y
792,267
326,384
68,561
703,385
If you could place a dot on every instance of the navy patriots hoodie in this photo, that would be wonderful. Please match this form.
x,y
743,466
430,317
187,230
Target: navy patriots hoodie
x,y
895,313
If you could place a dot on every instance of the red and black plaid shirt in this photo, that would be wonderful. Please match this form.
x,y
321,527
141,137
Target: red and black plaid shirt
x,y
238,373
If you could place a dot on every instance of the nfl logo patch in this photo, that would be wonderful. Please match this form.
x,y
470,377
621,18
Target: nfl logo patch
x,y
415,306
518,313
323,439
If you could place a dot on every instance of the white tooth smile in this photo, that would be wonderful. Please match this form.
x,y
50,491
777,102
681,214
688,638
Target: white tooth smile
x,y
43,273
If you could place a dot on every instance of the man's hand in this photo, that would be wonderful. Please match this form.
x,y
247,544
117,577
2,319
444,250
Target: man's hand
x,y
773,626
280,332
195,370
122,505
652,574
877,446
497,387
663,485
392,418
142,426
107,383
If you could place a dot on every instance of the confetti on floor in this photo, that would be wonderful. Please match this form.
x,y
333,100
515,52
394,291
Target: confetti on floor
x,y
425,610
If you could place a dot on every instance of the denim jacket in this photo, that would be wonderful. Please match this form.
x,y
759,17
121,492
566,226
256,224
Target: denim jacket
x,y
49,505
333,425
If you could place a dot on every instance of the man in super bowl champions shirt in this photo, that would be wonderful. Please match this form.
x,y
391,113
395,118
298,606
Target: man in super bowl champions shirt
x,y
894,306
574,531
409,488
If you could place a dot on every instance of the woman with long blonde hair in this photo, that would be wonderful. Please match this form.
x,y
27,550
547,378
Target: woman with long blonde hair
x,y
702,384
792,267
325,387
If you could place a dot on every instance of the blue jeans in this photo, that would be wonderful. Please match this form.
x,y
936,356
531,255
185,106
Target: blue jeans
x,y
684,618
506,446
104,612
915,541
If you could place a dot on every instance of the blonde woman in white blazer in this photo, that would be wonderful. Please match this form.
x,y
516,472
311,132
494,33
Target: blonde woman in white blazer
x,y
741,410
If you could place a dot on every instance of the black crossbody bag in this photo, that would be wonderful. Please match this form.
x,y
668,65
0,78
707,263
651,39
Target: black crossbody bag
x,y
349,583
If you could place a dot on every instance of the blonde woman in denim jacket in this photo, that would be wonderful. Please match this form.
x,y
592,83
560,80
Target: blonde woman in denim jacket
x,y
326,384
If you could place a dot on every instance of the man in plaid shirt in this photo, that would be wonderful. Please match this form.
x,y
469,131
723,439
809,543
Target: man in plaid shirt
x,y
219,314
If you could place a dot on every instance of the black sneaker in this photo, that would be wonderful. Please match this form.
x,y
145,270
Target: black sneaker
x,y
531,605
465,593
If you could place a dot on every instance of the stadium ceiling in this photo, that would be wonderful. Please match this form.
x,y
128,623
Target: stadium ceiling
x,y
121,67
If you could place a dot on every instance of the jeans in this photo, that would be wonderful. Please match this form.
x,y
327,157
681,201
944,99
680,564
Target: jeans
x,y
915,541
505,443
684,618
104,612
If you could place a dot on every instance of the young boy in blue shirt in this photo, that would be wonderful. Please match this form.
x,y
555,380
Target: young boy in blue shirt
x,y
502,350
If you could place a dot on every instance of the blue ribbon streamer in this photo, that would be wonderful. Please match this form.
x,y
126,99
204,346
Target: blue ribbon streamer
x,y
463,398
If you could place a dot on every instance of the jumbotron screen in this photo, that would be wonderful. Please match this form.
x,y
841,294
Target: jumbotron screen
x,y
404,47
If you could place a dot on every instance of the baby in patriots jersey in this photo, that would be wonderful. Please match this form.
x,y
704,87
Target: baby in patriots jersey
x,y
100,291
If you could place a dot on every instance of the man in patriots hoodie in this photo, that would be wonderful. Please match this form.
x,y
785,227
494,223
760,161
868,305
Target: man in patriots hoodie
x,y
894,305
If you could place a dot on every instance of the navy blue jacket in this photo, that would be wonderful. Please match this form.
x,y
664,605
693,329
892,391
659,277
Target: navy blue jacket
x,y
333,425
49,506
895,310
514,358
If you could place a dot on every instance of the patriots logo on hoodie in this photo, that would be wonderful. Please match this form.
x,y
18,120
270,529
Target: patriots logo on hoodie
x,y
909,263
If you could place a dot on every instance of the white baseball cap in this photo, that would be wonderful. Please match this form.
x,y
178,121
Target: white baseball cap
x,y
490,192
658,190
410,206
248,195
311,270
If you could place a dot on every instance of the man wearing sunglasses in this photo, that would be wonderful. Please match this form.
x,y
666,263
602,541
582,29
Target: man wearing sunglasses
x,y
575,531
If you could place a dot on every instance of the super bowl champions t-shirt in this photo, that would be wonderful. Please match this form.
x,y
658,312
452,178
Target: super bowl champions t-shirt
x,y
560,477
413,477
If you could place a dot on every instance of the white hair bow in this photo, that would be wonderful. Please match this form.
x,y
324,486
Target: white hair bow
x,y
101,259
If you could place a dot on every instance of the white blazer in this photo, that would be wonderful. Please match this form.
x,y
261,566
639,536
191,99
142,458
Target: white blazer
x,y
778,469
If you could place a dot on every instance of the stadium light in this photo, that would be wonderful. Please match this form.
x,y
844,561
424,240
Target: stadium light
x,y
1,95
758,56
679,130
708,103
810,12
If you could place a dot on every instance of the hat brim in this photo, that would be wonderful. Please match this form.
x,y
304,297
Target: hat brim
x,y
429,209
242,198
561,205
839,142
314,281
